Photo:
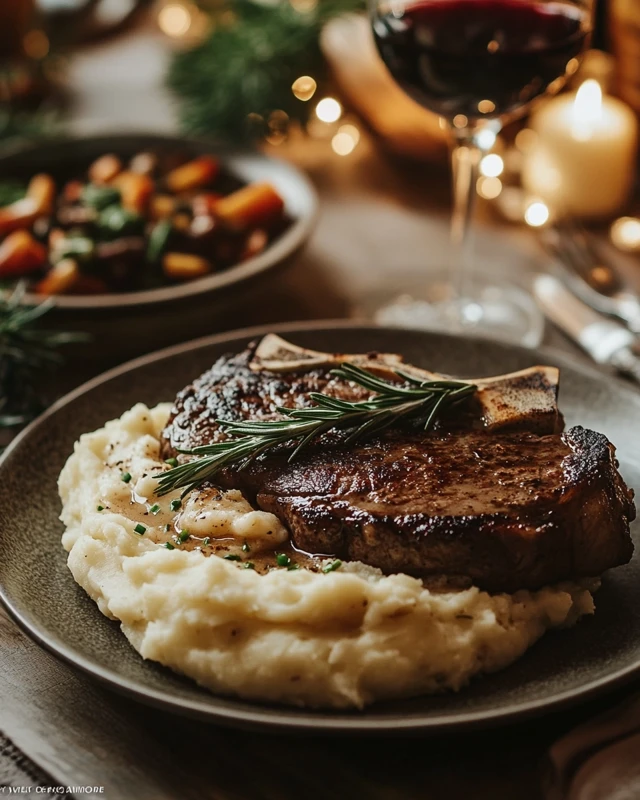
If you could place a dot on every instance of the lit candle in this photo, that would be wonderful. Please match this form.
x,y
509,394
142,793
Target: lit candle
x,y
584,156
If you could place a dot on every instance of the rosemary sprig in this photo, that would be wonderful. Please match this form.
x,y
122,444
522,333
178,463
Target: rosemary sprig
x,y
390,403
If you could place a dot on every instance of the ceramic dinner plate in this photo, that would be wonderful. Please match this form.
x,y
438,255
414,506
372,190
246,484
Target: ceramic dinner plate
x,y
38,591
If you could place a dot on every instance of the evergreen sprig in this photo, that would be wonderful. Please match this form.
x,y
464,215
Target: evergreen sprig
x,y
26,352
246,68
390,403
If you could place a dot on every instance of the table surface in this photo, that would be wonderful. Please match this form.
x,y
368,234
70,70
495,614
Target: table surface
x,y
382,225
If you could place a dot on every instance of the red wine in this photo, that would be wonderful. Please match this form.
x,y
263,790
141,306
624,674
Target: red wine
x,y
480,58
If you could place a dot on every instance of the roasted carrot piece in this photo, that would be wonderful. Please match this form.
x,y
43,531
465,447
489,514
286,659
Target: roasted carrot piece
x,y
250,207
135,190
42,190
105,169
184,266
161,206
195,173
20,254
21,214
60,279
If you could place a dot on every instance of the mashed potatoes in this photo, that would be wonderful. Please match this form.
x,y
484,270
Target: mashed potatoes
x,y
342,638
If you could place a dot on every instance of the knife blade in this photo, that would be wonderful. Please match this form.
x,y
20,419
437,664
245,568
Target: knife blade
x,y
605,340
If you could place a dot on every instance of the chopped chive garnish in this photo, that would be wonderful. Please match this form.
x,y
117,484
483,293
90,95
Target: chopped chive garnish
x,y
246,548
172,462
205,541
126,477
174,505
282,560
293,566
155,508
100,508
167,528
249,565
140,529
232,558
333,566
183,536
169,546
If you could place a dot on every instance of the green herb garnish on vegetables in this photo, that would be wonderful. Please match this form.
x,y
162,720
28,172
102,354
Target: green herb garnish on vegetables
x,y
100,197
174,505
79,247
154,509
391,402
183,536
232,558
249,565
140,529
158,239
169,546
246,548
172,462
126,477
333,566
115,222
282,560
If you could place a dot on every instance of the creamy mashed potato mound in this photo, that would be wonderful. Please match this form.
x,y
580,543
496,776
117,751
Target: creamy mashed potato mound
x,y
341,639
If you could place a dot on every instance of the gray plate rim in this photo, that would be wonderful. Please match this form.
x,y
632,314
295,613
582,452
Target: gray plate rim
x,y
241,717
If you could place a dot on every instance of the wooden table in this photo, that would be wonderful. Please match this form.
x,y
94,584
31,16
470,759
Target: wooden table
x,y
381,225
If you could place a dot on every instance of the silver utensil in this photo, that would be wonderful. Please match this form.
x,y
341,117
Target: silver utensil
x,y
606,341
589,276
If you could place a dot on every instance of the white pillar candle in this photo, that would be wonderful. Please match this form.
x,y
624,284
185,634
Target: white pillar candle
x,y
583,161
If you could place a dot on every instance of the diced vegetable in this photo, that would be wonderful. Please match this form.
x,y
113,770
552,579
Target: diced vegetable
x,y
100,197
204,205
80,248
21,214
72,191
105,169
115,221
144,163
60,279
181,222
198,172
162,206
135,190
42,190
255,244
158,239
20,254
184,266
252,206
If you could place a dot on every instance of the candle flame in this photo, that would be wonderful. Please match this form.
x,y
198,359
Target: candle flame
x,y
587,109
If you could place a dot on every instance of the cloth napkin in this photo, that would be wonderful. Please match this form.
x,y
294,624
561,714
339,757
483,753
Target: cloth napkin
x,y
599,760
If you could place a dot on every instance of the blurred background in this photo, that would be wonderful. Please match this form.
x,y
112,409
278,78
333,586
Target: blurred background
x,y
301,80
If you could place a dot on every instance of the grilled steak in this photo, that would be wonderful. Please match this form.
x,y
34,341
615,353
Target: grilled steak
x,y
515,508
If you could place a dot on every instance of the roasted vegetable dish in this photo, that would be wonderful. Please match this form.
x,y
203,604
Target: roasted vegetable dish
x,y
124,227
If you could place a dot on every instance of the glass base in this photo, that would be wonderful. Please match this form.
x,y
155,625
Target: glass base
x,y
496,310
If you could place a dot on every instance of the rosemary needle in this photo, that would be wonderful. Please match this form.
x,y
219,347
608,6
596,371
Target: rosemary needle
x,y
248,439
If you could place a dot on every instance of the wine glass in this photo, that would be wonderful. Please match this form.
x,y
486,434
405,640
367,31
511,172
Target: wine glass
x,y
478,64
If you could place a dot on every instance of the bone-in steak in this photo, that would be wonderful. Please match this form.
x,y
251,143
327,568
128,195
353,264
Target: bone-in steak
x,y
505,510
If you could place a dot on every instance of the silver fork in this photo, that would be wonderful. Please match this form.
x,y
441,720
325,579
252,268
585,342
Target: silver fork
x,y
595,281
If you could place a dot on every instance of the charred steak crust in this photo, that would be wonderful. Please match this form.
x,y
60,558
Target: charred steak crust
x,y
505,511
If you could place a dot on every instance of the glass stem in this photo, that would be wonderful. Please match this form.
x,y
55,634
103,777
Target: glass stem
x,y
466,155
